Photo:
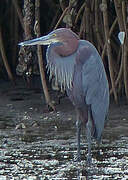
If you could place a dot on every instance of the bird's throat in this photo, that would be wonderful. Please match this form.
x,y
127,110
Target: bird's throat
x,y
61,67
67,48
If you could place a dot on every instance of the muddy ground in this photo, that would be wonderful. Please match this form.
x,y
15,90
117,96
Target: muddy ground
x,y
36,144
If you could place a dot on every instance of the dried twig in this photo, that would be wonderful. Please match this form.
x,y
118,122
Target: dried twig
x,y
62,16
4,58
18,10
79,12
106,28
40,56
125,51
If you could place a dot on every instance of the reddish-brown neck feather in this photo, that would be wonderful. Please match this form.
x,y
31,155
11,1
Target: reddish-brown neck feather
x,y
68,47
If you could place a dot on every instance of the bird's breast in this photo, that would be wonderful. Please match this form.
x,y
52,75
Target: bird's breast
x,y
76,94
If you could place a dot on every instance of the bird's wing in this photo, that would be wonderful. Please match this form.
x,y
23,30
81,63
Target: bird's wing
x,y
94,85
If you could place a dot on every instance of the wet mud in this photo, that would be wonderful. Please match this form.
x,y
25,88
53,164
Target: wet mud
x,y
35,144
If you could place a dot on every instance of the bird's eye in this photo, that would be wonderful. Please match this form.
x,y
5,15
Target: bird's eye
x,y
54,35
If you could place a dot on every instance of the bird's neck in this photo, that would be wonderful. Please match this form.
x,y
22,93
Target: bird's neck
x,y
61,66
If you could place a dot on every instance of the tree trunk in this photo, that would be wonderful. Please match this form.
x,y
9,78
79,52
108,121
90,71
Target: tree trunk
x,y
106,29
27,54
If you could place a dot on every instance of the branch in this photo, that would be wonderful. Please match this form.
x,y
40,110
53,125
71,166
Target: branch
x,y
5,58
40,57
18,10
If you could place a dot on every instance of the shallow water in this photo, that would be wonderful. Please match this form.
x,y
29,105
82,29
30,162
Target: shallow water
x,y
49,152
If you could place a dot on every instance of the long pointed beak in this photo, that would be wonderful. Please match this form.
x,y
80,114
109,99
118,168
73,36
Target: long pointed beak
x,y
44,40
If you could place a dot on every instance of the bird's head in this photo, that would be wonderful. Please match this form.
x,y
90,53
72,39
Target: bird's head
x,y
61,36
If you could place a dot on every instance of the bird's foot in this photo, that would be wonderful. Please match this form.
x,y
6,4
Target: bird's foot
x,y
78,155
77,158
89,159
49,108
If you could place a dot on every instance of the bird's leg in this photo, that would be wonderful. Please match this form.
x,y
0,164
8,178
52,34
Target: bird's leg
x,y
78,125
89,140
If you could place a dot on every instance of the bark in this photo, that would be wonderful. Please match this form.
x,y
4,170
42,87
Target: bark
x,y
27,54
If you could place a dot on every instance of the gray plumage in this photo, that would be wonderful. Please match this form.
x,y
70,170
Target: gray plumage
x,y
78,69
91,87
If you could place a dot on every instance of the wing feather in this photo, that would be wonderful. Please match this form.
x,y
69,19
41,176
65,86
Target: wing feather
x,y
95,87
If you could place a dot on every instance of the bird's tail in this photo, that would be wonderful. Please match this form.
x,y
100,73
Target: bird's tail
x,y
96,135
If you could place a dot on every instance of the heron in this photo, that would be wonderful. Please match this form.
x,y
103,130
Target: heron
x,y
79,70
